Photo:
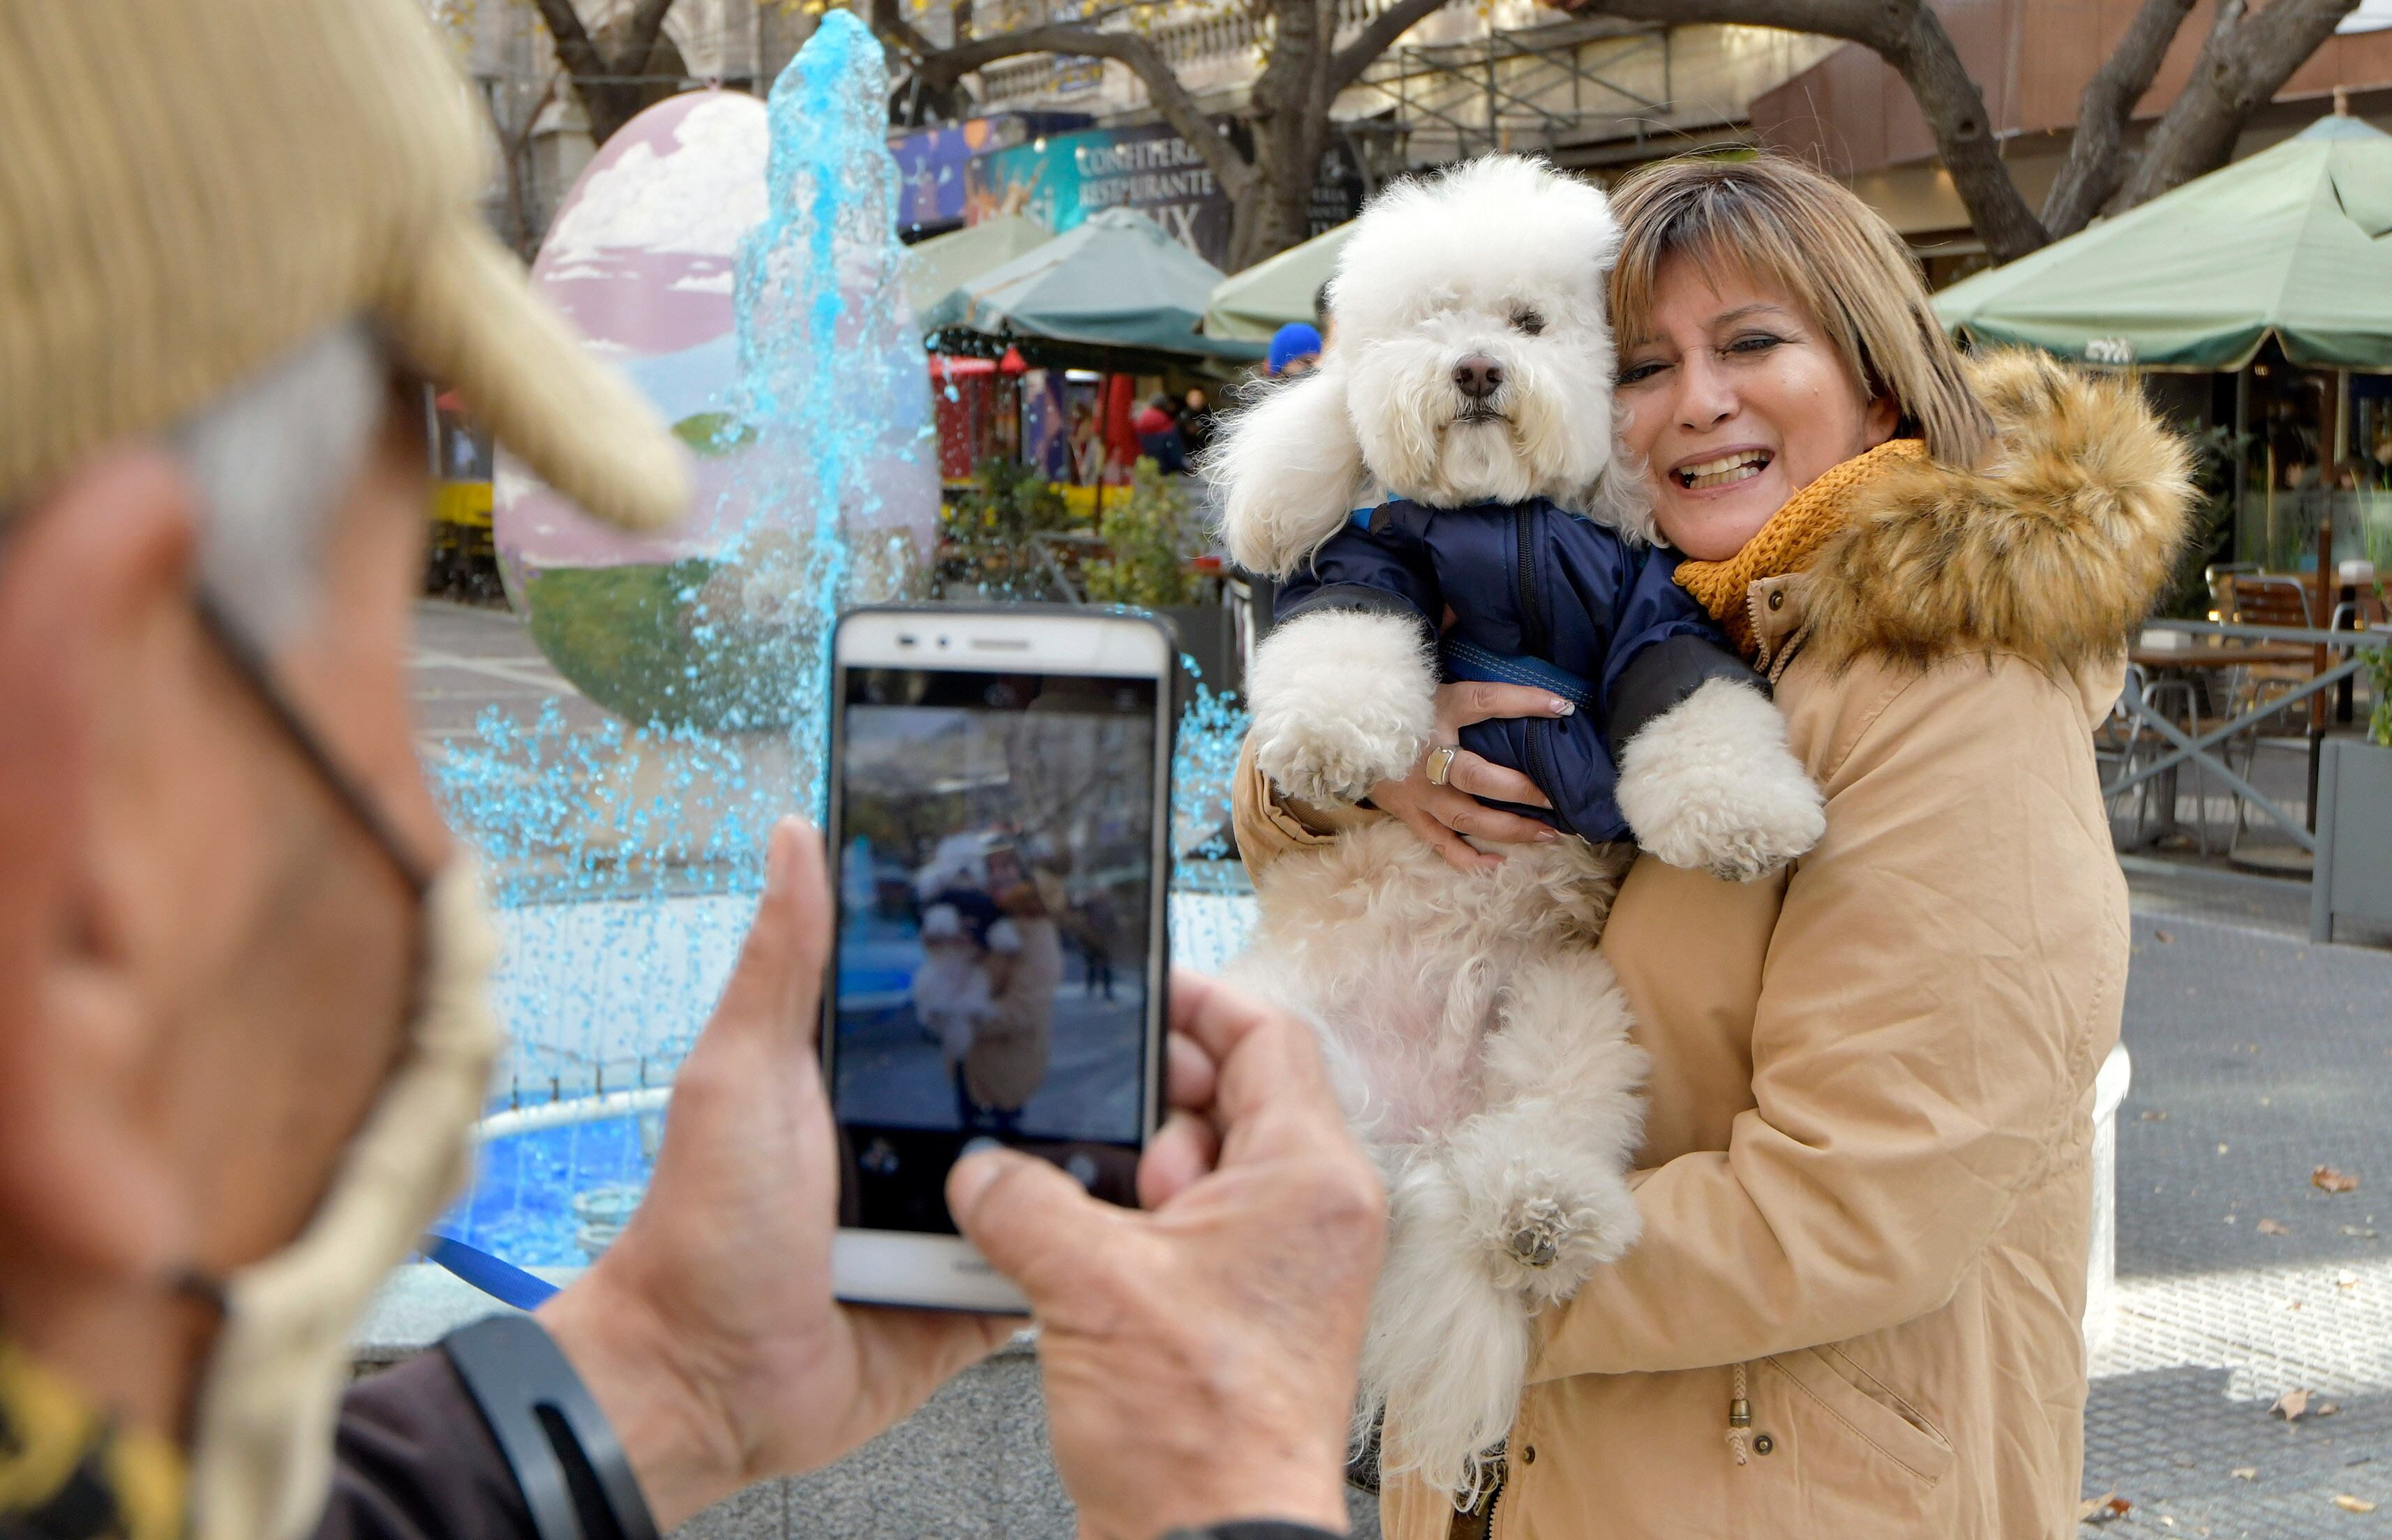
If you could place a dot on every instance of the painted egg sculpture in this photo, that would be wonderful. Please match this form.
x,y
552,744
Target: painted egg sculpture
x,y
680,254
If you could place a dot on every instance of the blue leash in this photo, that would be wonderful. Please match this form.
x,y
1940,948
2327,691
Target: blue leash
x,y
501,1280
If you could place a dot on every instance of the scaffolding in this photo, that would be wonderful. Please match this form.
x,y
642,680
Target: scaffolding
x,y
1534,88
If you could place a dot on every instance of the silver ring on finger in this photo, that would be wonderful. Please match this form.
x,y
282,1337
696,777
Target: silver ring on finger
x,y
1440,762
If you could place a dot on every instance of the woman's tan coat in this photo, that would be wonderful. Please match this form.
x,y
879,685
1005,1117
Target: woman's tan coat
x,y
1866,1171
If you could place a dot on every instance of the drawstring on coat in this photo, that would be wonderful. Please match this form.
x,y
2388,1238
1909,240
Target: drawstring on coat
x,y
1740,1418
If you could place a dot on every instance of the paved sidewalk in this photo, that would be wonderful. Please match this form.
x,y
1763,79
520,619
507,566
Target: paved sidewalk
x,y
2243,1036
2258,1058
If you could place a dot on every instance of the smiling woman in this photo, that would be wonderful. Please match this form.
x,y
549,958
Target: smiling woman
x,y
1773,336
1854,1308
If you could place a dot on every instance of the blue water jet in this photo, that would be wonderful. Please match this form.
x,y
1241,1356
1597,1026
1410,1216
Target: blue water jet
x,y
625,858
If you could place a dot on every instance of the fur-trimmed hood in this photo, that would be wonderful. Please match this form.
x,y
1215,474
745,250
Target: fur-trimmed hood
x,y
2055,550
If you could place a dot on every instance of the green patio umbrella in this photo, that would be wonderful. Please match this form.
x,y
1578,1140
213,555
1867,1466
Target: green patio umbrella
x,y
1269,295
936,268
2291,243
1113,281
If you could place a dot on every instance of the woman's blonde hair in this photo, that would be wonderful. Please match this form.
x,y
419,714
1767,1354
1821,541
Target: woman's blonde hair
x,y
1786,225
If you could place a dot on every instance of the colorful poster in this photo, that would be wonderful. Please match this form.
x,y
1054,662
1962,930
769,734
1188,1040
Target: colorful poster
x,y
932,167
1062,179
932,163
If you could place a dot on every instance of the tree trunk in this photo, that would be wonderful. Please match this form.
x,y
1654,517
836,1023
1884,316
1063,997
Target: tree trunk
x,y
2244,61
1290,103
1955,111
2096,166
608,73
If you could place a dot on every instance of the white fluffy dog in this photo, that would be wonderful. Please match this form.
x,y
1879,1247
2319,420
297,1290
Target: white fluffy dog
x,y
1478,1040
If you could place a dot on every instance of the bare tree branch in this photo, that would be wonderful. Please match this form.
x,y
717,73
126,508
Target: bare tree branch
x,y
640,31
1346,65
2096,160
946,66
1910,37
516,146
2244,61
608,87
890,25
575,49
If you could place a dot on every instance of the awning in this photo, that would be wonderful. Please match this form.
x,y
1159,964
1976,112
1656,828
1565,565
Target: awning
x,y
2291,243
1267,295
937,268
1115,280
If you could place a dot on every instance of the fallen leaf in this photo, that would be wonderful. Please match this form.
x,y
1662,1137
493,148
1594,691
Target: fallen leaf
x,y
2101,1509
2164,937
2359,1233
2291,1405
2345,1279
2245,1473
2230,1218
2157,1114
2269,1227
2168,1520
2325,1409
2349,1504
2328,1179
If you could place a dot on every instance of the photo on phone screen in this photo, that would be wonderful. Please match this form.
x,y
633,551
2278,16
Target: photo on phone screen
x,y
996,895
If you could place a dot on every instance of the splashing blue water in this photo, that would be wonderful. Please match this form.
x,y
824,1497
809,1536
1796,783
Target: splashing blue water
x,y
624,859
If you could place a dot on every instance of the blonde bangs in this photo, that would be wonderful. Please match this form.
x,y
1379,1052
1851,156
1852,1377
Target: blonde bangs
x,y
1785,226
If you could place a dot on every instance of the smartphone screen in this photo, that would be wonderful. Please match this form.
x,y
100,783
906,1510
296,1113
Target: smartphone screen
x,y
997,898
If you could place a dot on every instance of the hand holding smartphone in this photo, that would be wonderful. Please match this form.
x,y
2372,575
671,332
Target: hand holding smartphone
x,y
999,817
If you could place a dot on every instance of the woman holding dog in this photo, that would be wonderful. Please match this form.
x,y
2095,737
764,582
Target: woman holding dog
x,y
1854,1311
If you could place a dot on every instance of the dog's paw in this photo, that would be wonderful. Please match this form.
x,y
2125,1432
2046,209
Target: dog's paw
x,y
1341,701
1712,786
1548,1233
1326,761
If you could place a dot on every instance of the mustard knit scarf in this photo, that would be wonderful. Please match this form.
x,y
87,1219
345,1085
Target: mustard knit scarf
x,y
1790,541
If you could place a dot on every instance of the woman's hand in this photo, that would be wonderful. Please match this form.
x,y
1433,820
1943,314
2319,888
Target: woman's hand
x,y
1441,814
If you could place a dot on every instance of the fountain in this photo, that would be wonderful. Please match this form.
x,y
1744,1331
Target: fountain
x,y
740,262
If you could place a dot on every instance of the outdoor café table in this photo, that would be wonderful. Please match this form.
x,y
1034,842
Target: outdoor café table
x,y
2188,661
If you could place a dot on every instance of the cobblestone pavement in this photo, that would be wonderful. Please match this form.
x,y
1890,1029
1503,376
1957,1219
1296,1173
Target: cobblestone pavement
x,y
2258,1058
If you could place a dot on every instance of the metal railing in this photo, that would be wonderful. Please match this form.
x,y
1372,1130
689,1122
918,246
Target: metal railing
x,y
2194,748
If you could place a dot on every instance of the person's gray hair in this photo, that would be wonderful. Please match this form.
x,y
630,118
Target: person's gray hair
x,y
273,458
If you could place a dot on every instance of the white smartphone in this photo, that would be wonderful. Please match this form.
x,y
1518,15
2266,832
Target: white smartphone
x,y
1000,826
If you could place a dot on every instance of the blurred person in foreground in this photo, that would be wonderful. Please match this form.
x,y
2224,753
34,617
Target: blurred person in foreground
x,y
243,1031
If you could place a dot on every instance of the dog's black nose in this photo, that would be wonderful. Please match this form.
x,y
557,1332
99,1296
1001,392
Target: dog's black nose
x,y
1478,376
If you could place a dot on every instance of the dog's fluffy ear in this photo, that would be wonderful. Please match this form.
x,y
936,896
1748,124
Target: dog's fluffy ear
x,y
1287,468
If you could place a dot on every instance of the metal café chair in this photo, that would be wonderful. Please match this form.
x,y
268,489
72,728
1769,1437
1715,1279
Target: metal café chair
x,y
2266,599
2122,745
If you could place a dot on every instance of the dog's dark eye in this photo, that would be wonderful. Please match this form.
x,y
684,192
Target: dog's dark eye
x,y
1528,321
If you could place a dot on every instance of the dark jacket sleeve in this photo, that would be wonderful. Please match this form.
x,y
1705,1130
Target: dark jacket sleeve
x,y
1382,567
1567,759
413,1460
1666,648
